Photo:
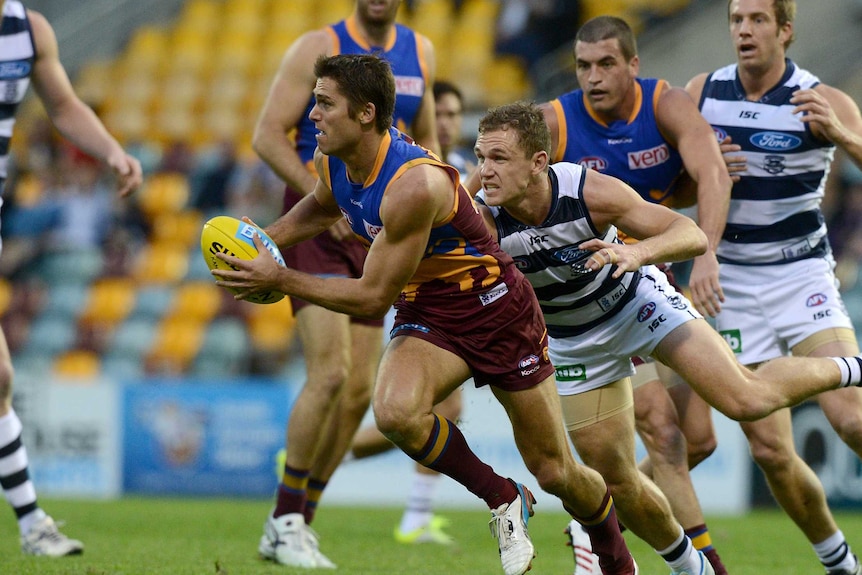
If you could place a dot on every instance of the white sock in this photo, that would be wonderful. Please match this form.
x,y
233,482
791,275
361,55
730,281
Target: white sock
x,y
687,557
851,370
418,511
835,554
14,476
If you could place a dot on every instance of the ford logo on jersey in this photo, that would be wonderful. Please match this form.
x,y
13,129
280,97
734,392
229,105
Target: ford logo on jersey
x,y
14,70
775,141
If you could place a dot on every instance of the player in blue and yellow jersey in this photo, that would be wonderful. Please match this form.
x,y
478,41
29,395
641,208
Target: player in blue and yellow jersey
x,y
648,134
341,352
29,53
776,266
463,310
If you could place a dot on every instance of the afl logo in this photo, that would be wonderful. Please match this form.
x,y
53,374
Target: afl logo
x,y
816,300
720,134
775,141
594,163
646,312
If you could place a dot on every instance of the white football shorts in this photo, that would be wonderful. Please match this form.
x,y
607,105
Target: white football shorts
x,y
603,354
769,309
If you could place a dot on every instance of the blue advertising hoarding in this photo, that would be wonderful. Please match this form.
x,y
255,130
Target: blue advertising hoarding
x,y
202,438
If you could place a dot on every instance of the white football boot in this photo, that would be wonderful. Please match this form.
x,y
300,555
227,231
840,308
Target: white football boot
x,y
586,562
45,539
284,541
509,525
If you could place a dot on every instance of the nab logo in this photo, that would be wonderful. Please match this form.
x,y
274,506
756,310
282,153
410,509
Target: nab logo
x,y
749,115
577,372
816,300
646,312
594,163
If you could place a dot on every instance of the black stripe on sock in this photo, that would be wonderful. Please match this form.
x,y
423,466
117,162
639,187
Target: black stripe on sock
x,y
12,481
25,509
10,448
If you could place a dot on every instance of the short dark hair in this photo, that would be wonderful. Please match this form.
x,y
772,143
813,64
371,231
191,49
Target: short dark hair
x,y
362,79
607,27
784,12
526,119
443,87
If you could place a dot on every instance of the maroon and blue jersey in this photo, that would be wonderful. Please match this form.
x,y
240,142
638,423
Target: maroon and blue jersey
x,y
632,150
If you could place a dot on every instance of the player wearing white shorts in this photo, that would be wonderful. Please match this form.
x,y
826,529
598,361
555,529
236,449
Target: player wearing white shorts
x,y
559,222
780,126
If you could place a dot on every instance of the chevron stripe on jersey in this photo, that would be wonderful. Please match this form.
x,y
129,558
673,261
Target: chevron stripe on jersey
x,y
572,299
774,214
17,53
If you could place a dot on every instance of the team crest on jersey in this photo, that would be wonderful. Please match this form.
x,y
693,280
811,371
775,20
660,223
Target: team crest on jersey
x,y
816,300
775,141
774,164
371,229
594,163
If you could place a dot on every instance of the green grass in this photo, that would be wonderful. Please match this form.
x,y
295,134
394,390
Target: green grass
x,y
219,537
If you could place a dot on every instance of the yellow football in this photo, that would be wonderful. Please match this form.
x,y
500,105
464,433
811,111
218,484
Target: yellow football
x,y
232,236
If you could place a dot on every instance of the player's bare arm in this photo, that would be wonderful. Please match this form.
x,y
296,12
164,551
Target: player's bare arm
x,y
833,116
680,121
411,206
284,108
73,118
424,128
665,235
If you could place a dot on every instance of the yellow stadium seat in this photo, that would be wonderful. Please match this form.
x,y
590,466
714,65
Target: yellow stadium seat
x,y
271,327
78,364
181,228
5,295
176,343
163,263
197,301
110,301
163,192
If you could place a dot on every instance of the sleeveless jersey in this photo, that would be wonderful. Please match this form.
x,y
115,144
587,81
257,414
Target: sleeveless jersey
x,y
17,54
774,214
632,150
461,257
404,53
573,299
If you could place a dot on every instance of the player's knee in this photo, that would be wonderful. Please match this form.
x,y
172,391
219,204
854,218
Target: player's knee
x,y
667,444
328,379
701,449
549,474
849,429
771,456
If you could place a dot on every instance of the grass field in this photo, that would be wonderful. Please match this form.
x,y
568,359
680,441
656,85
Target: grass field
x,y
219,537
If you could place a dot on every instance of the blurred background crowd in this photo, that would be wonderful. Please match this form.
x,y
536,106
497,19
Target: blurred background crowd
x,y
92,285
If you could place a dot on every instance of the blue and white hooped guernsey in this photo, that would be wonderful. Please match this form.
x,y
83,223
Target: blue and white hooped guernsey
x,y
573,299
774,214
17,53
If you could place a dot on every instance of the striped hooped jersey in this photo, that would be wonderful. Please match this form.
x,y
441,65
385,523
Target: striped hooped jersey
x,y
17,54
774,214
573,299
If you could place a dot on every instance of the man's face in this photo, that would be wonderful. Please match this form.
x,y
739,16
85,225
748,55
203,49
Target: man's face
x,y
337,131
449,118
604,75
377,11
504,168
755,33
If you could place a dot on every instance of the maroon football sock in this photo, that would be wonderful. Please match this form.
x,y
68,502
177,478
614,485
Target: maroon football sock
x,y
607,541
